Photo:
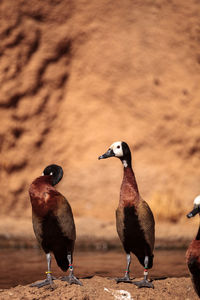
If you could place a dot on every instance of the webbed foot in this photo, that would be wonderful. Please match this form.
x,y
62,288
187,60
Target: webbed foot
x,y
144,283
47,281
71,279
125,279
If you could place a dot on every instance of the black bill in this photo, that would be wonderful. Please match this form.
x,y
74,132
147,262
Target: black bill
x,y
109,153
195,211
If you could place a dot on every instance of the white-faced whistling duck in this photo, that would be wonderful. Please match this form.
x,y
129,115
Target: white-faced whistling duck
x,y
193,251
134,219
53,223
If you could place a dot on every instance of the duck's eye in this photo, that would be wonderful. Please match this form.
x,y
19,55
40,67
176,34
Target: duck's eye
x,y
51,173
118,146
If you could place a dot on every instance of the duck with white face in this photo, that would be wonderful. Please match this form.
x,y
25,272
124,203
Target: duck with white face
x,y
193,251
134,219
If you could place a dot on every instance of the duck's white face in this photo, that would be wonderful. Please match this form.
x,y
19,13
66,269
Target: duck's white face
x,y
117,149
197,201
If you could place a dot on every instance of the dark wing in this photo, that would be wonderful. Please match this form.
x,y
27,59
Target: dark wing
x,y
55,231
120,223
147,223
65,218
132,234
37,227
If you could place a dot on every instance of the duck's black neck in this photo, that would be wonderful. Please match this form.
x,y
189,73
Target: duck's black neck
x,y
126,158
126,163
198,234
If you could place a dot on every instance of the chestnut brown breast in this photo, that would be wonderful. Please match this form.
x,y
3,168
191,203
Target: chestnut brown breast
x,y
44,197
129,194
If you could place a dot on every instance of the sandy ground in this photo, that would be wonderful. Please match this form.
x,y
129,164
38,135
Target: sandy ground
x,y
106,289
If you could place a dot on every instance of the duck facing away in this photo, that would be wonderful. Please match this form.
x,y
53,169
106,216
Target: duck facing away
x,y
193,251
134,219
53,224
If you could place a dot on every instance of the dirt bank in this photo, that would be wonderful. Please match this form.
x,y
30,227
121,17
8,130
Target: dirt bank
x,y
77,76
106,289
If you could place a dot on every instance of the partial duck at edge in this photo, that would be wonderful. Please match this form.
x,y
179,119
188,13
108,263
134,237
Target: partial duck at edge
x,y
193,251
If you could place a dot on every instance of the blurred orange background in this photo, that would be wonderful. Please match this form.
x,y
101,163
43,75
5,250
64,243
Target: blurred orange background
x,y
77,76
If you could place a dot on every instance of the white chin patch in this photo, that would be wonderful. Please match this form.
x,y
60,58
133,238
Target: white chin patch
x,y
197,200
117,149
51,173
125,163
42,174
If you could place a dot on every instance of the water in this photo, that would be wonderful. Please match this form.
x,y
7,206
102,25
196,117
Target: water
x,y
28,265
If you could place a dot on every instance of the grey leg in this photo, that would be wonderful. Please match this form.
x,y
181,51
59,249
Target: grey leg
x,y
144,282
71,279
126,277
49,279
